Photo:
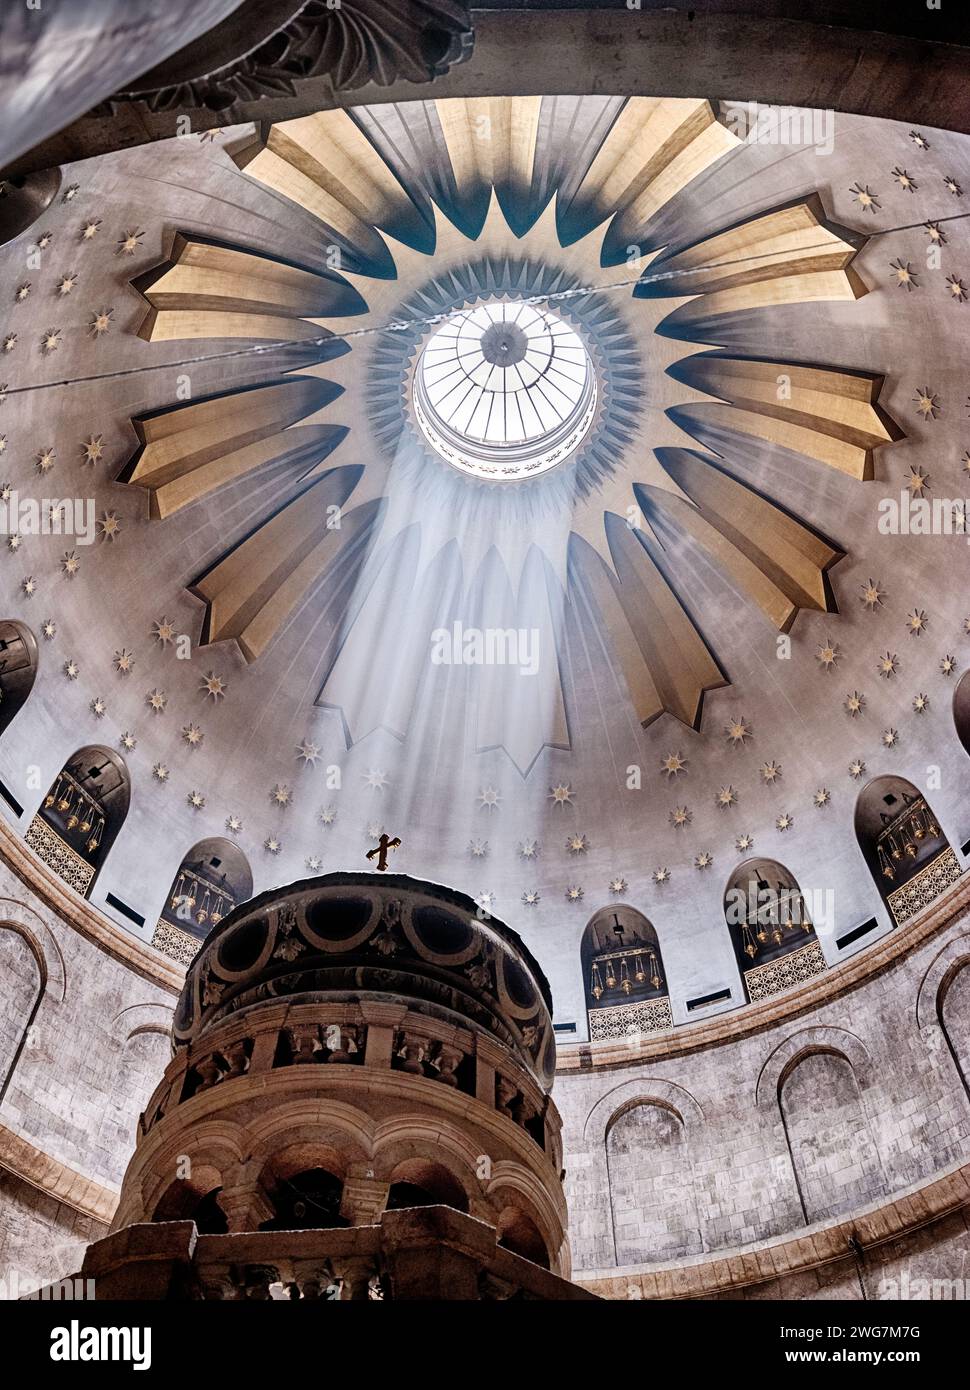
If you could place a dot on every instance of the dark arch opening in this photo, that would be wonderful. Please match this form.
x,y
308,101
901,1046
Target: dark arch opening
x,y
81,815
18,668
518,1233
419,1182
212,879
769,920
307,1201
623,974
908,855
961,710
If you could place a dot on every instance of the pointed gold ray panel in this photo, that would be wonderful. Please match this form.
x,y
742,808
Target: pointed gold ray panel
x,y
829,415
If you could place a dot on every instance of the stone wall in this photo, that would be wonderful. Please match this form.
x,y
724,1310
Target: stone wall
x,y
817,1114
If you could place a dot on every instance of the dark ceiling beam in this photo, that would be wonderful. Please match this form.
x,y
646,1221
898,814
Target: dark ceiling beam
x,y
712,50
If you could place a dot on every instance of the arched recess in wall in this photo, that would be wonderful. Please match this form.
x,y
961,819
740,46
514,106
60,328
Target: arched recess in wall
x,y
18,668
961,710
943,1003
81,815
771,928
830,1140
212,879
653,1198
23,977
901,841
623,974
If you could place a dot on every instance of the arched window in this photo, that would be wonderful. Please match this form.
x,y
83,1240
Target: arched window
x,y
771,928
901,840
308,1201
81,815
418,1182
212,879
18,667
623,971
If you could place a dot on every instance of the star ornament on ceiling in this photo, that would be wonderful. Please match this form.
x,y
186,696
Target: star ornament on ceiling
x,y
561,795
618,885
308,753
651,393
376,779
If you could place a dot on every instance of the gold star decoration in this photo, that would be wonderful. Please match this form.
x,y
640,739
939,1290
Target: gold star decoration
x,y
865,197
15,541
661,875
530,897
673,764
917,622
49,629
50,340
577,844
109,526
3,443
771,772
29,586
6,491
10,342
904,276
704,860
486,901
921,703
737,731
308,753
905,180
727,796
196,800
618,885
272,845
328,815
919,139
936,233
952,187
927,402
45,460
743,843
213,687
98,707
888,665
280,795
314,863
872,595
70,563
890,738
827,655
193,735
129,243
93,449
100,322
574,893
72,670
681,817
156,701
948,665
128,741
163,631
124,661
70,193
958,290
90,229
67,282
856,769
529,849
234,824
478,849
44,240
488,799
21,292
785,821
821,797
160,772
561,795
855,703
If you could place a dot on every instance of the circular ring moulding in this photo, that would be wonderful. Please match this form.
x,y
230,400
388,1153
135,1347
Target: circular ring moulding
x,y
504,391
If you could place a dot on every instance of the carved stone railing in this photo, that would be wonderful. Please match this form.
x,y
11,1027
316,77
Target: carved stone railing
x,y
785,972
925,887
421,1253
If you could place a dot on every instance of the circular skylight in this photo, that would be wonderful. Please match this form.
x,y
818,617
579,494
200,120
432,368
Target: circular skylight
x,y
504,390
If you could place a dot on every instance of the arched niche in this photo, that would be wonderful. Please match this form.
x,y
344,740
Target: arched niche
x,y
833,1154
961,710
420,1182
771,928
306,1201
901,841
18,668
81,815
212,879
653,1201
623,974
22,981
